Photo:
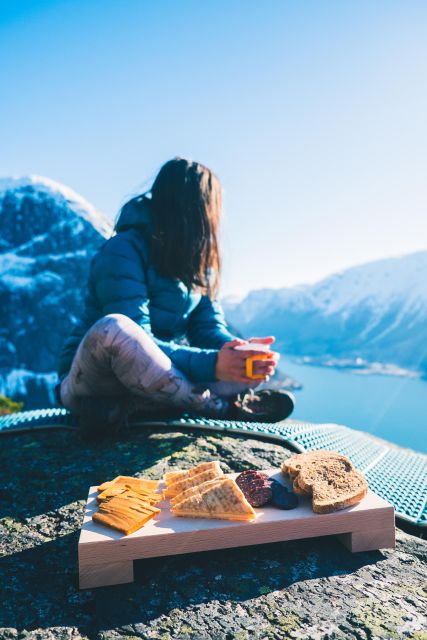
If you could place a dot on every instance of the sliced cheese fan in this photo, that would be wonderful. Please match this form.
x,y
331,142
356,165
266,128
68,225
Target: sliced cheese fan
x,y
130,483
150,497
126,512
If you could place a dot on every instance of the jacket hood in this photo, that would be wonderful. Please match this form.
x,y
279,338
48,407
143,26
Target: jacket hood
x,y
135,213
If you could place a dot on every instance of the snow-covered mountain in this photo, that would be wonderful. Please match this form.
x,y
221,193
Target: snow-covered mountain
x,y
377,311
48,234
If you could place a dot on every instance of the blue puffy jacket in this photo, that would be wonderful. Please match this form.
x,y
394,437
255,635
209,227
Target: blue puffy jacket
x,y
123,280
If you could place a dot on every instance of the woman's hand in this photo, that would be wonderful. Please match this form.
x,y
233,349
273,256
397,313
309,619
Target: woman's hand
x,y
231,364
265,367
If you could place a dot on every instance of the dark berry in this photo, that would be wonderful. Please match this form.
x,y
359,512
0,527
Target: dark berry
x,y
281,497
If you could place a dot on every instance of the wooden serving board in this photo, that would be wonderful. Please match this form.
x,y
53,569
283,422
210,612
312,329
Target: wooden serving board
x,y
106,556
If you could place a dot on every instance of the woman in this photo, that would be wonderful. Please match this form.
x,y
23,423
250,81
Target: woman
x,y
152,337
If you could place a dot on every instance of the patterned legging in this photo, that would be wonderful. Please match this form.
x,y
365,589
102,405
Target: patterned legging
x,y
117,357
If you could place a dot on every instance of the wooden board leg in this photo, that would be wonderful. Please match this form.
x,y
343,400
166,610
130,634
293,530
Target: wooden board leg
x,y
369,540
105,574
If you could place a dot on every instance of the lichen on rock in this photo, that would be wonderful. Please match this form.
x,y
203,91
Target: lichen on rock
x,y
8,406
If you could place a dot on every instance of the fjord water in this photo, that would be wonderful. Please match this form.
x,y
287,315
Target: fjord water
x,y
389,407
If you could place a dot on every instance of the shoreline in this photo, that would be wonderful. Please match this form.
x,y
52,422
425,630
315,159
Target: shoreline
x,y
358,366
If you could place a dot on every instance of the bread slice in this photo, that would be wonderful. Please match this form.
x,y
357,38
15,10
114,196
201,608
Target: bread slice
x,y
223,500
329,477
342,498
292,466
297,489
181,485
334,483
174,476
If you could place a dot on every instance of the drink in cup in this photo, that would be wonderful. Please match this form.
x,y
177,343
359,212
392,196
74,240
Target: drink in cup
x,y
254,346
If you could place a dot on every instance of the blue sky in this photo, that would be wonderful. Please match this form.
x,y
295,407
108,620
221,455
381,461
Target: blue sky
x,y
312,113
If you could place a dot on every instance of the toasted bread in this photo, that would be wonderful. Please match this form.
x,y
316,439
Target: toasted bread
x,y
297,489
293,465
329,477
334,483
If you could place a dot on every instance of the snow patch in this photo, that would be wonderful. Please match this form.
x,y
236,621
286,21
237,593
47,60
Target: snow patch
x,y
65,195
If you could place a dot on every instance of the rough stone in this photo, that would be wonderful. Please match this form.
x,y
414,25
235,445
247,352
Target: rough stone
x,y
303,589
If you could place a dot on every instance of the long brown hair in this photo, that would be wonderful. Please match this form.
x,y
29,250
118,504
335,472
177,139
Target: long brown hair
x,y
186,201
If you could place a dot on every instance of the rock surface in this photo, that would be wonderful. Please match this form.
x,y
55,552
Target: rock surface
x,y
303,589
48,237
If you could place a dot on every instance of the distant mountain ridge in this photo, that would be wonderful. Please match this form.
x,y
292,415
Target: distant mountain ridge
x,y
376,311
48,235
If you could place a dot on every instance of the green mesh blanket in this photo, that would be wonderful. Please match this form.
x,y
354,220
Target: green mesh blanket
x,y
397,475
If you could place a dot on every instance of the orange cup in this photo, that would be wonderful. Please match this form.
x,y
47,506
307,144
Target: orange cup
x,y
252,346
249,367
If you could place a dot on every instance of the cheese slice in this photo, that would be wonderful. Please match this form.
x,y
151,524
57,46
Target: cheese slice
x,y
180,486
127,502
223,500
174,476
125,512
118,490
122,522
131,483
